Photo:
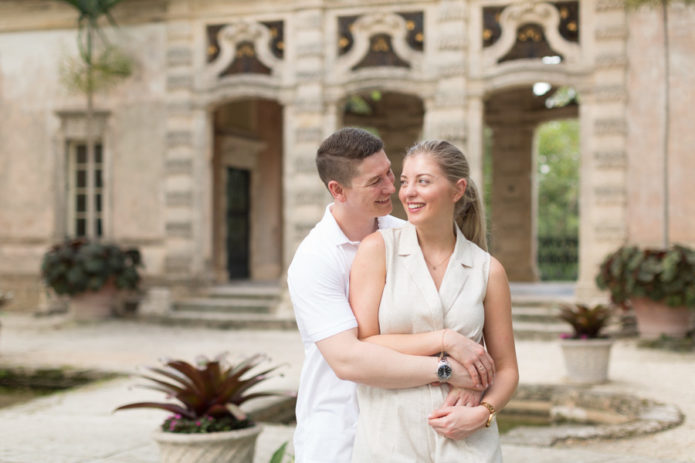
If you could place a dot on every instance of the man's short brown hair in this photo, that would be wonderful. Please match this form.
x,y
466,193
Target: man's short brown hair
x,y
339,154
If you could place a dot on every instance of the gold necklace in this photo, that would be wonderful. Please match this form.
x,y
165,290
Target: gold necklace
x,y
434,267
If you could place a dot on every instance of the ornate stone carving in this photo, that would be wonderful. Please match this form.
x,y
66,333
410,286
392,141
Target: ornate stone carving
x,y
179,82
612,126
179,56
606,159
179,166
611,61
179,229
244,47
179,198
534,29
379,40
611,33
179,137
309,134
177,263
605,5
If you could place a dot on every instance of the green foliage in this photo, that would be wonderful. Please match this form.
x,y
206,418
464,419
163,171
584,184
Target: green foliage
x,y
635,4
280,454
587,322
662,275
558,161
108,67
558,178
79,265
209,395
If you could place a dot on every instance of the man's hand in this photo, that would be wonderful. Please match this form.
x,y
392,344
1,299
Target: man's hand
x,y
460,377
473,357
458,422
464,397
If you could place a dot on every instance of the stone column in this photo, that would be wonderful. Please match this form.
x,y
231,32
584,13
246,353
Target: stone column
x,y
513,215
184,127
603,130
304,127
445,114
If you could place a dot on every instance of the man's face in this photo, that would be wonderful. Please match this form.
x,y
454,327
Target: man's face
x,y
370,191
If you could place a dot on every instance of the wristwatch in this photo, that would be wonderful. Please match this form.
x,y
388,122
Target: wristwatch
x,y
492,411
443,370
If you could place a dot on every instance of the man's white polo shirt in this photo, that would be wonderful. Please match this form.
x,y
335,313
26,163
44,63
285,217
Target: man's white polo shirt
x,y
318,280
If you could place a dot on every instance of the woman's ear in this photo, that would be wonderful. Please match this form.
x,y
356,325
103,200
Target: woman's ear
x,y
460,188
336,190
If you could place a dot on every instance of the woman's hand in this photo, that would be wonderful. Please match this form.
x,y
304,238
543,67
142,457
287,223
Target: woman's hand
x,y
472,356
460,396
458,422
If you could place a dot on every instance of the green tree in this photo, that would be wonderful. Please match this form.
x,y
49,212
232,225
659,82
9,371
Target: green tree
x,y
558,178
102,65
558,161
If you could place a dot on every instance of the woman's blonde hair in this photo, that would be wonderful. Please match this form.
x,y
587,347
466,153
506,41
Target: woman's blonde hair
x,y
468,211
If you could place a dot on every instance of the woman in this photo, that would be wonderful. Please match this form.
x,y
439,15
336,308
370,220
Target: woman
x,y
432,274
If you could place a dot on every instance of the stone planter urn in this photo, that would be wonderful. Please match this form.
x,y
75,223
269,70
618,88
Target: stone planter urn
x,y
586,360
94,305
656,318
236,446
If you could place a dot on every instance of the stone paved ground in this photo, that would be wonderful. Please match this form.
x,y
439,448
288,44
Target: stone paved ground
x,y
78,427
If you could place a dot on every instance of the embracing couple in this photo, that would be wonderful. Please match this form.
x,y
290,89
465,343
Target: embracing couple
x,y
418,313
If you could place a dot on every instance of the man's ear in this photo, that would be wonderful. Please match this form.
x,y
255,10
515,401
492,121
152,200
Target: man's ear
x,y
460,188
337,191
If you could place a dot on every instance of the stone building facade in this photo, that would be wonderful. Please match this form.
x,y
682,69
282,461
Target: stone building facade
x,y
218,127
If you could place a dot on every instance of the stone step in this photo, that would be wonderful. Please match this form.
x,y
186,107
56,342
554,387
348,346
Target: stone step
x,y
246,291
540,331
535,314
226,321
226,305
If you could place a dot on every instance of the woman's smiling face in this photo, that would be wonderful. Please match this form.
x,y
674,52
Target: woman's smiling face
x,y
425,191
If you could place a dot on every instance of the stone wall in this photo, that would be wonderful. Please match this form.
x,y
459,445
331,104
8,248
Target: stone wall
x,y
645,112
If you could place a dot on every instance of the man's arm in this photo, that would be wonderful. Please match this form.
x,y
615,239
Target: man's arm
x,y
379,366
324,316
367,279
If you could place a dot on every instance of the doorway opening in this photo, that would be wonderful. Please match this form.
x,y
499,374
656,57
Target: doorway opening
x,y
247,190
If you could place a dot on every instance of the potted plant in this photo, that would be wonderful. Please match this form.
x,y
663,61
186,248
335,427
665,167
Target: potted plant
x,y
658,284
91,273
207,424
585,351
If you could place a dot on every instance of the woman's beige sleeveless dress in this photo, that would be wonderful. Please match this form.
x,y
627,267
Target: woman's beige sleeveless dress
x,y
393,424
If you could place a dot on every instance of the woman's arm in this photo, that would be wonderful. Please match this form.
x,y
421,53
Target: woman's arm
x,y
367,280
458,422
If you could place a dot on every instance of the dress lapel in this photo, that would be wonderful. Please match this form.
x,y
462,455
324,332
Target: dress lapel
x,y
410,255
457,271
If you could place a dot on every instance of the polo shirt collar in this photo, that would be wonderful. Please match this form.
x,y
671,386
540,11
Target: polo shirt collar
x,y
336,233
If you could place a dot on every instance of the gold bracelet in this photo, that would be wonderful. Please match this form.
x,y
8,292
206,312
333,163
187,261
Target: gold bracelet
x,y
491,409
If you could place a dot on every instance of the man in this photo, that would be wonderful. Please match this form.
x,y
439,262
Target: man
x,y
354,167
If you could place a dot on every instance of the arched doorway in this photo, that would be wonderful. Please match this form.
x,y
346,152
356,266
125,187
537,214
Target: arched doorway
x,y
247,190
513,116
397,118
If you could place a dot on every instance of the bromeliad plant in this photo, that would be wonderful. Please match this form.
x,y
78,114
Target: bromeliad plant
x,y
587,322
209,395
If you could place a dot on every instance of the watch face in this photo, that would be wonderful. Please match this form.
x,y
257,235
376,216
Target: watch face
x,y
443,371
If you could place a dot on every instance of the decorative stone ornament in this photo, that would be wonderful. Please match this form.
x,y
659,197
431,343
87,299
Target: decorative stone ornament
x,y
236,446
